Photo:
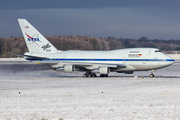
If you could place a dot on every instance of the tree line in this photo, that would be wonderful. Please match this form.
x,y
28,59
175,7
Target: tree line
x,y
17,44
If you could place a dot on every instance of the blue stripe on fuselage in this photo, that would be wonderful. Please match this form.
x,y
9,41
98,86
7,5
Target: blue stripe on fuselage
x,y
59,59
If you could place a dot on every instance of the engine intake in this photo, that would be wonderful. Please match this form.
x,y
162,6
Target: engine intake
x,y
69,68
104,70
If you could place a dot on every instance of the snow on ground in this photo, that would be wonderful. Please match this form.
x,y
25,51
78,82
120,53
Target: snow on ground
x,y
53,95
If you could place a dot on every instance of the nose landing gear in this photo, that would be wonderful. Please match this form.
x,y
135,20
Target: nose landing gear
x,y
152,74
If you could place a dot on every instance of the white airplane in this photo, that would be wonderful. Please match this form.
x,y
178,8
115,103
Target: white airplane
x,y
120,61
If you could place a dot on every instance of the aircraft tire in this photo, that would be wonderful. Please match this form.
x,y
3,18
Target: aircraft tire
x,y
84,75
89,75
151,75
94,75
103,75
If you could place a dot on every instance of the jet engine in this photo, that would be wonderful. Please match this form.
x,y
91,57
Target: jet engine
x,y
104,70
69,68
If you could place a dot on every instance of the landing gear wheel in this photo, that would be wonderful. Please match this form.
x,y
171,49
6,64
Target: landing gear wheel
x,y
103,75
151,75
94,75
89,74
84,75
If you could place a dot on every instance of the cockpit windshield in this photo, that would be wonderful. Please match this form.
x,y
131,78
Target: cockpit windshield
x,y
157,50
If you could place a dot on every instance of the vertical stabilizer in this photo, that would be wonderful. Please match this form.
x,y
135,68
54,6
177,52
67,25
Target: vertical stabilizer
x,y
34,40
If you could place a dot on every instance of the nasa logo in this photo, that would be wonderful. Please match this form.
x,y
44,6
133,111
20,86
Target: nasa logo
x,y
44,47
34,39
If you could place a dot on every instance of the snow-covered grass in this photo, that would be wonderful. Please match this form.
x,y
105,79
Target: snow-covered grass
x,y
80,98
47,95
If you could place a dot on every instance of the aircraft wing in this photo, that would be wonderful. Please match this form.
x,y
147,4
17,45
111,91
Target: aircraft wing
x,y
86,67
86,64
82,64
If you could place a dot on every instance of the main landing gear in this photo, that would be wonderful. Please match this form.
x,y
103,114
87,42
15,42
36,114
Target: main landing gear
x,y
89,74
152,74
103,75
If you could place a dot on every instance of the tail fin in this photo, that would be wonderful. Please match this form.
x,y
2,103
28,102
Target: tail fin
x,y
34,40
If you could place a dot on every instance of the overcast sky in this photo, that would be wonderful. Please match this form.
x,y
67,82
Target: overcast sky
x,y
155,19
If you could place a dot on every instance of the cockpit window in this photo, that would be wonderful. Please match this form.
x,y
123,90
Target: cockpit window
x,y
157,51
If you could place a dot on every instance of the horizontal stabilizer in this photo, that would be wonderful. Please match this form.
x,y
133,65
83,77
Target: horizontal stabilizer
x,y
29,57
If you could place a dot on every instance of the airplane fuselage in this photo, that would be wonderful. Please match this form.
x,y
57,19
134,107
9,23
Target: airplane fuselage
x,y
135,59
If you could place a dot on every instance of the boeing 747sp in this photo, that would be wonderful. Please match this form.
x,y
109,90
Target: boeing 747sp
x,y
120,61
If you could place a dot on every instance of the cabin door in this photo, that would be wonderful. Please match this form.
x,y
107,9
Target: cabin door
x,y
144,60
124,60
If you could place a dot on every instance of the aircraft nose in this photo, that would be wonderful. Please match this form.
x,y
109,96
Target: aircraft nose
x,y
170,60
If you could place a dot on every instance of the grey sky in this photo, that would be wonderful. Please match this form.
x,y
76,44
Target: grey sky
x,y
98,18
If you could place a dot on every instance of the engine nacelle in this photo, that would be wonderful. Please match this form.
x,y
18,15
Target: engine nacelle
x,y
69,68
104,70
